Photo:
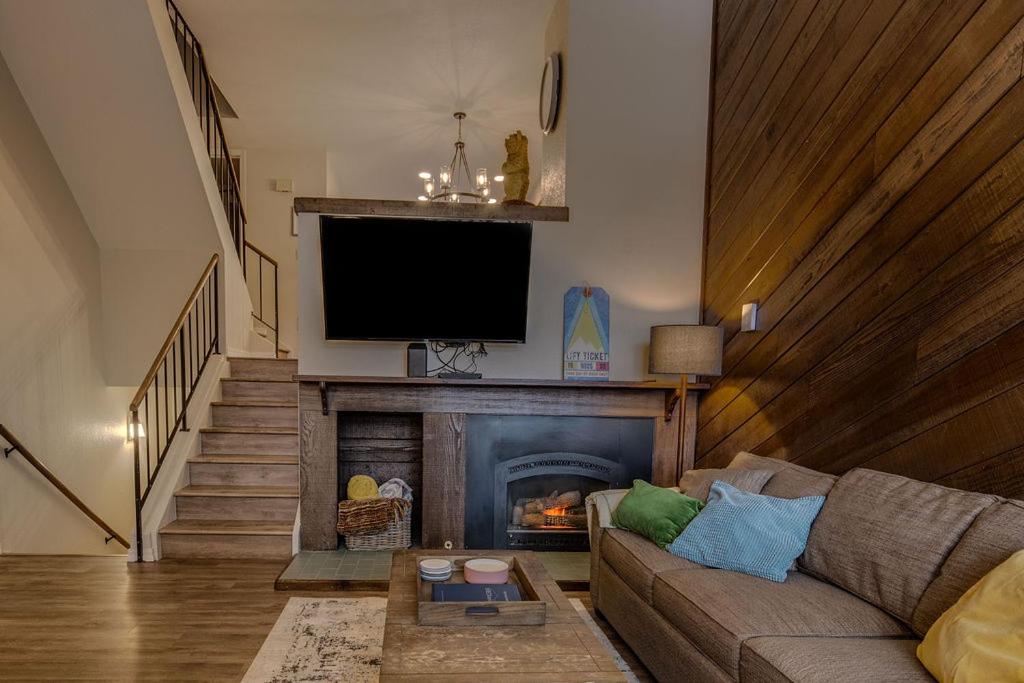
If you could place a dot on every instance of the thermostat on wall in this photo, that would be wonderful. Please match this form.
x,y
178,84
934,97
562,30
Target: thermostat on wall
x,y
283,185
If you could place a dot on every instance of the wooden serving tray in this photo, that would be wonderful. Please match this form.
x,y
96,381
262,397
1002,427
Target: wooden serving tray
x,y
530,611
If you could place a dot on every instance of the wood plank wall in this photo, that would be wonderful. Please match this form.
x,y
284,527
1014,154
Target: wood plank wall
x,y
383,446
865,185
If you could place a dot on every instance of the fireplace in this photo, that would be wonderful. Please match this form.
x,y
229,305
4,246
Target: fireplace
x,y
528,476
539,498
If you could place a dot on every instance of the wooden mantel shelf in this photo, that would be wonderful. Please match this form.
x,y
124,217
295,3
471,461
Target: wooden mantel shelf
x,y
498,382
413,209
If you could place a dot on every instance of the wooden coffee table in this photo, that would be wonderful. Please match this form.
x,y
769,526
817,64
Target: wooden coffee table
x,y
563,649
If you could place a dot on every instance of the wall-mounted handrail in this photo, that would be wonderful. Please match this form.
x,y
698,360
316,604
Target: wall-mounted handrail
x,y
175,373
260,316
16,446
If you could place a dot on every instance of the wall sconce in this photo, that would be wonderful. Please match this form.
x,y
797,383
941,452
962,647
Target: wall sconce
x,y
133,427
748,319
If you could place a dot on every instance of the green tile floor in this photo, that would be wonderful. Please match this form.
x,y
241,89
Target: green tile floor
x,y
375,565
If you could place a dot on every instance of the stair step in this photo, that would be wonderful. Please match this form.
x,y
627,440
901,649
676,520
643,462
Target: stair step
x,y
215,527
245,459
210,502
266,440
249,430
243,474
234,388
264,368
226,539
254,403
212,491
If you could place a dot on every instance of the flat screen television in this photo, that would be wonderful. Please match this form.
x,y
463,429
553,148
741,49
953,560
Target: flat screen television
x,y
411,279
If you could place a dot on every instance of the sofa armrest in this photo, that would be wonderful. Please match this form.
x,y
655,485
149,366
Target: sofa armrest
x,y
600,506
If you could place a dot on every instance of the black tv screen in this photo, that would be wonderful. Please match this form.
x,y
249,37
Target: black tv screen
x,y
413,279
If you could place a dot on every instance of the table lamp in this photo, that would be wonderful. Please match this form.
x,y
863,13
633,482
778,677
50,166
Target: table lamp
x,y
684,350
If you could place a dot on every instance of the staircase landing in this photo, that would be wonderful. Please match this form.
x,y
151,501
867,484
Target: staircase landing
x,y
243,491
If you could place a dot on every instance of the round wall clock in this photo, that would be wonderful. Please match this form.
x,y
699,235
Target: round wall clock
x,y
550,83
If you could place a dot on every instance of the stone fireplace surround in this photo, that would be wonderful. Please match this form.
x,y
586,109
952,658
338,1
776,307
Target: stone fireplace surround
x,y
449,409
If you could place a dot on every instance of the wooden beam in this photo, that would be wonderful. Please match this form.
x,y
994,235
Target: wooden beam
x,y
444,480
411,209
318,479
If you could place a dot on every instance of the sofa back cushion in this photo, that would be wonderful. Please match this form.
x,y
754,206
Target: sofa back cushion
x,y
884,537
789,480
996,533
697,483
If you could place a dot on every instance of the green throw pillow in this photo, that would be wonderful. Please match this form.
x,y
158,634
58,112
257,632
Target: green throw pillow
x,y
657,513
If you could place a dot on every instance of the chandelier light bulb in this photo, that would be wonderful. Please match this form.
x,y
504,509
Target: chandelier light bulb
x,y
499,178
422,198
425,175
492,200
445,176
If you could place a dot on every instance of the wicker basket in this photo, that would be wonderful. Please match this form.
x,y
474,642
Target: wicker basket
x,y
377,524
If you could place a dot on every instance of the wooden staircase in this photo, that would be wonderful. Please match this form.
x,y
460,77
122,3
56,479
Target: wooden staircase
x,y
243,491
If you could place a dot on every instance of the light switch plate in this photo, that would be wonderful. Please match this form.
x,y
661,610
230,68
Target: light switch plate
x,y
748,321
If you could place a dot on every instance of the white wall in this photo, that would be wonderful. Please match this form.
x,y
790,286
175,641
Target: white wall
x,y
270,223
53,396
635,135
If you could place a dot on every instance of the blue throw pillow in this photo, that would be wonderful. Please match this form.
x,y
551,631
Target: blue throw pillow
x,y
748,532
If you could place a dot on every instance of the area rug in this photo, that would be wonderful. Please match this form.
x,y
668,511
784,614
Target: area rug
x,y
323,639
340,639
603,639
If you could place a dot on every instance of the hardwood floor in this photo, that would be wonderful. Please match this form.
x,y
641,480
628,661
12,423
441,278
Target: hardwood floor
x,y
98,618
75,618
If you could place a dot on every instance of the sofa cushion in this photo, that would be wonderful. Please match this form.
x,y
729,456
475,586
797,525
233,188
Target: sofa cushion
x,y
718,610
789,480
747,532
697,483
666,652
638,560
996,533
836,660
884,537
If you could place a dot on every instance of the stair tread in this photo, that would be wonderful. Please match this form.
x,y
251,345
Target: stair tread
x,y
258,379
245,459
250,430
240,491
227,527
255,403
262,358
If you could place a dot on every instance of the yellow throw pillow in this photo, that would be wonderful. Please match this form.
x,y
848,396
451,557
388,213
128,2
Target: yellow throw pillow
x,y
362,487
980,639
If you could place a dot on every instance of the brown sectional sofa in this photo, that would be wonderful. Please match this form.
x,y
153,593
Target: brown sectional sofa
x,y
885,557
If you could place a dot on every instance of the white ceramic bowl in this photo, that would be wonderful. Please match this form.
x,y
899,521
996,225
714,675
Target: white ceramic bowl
x,y
435,566
485,570
436,577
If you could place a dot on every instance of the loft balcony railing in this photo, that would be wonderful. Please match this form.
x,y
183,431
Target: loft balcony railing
x,y
204,97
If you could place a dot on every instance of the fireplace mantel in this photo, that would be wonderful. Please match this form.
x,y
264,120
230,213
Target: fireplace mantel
x,y
444,404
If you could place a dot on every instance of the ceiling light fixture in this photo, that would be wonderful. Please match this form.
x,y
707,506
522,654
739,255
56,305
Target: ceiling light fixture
x,y
453,174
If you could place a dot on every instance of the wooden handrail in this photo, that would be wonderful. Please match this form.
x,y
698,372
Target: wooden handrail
x,y
259,251
144,387
42,469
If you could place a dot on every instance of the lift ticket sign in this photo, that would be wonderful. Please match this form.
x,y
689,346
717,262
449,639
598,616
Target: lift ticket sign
x,y
586,327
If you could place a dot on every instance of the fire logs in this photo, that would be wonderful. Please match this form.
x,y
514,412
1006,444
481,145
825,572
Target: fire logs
x,y
557,510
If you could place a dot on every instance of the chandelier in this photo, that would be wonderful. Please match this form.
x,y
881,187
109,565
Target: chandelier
x,y
448,187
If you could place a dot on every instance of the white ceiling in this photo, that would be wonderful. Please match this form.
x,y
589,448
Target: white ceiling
x,y
375,82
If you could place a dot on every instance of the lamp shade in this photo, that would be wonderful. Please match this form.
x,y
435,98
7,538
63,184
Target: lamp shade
x,y
686,350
